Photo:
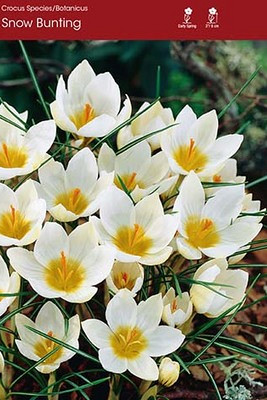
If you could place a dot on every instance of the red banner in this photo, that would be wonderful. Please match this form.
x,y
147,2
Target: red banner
x,y
93,19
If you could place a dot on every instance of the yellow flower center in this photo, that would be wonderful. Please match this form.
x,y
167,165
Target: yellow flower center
x,y
12,156
123,280
132,240
84,116
201,232
45,346
190,158
64,274
128,342
13,224
129,181
73,201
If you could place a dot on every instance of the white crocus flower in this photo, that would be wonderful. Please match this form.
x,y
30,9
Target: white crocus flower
x,y
137,232
132,336
90,104
228,174
64,266
169,372
211,228
8,285
21,214
74,192
176,310
214,300
140,172
49,321
192,144
154,119
22,152
126,276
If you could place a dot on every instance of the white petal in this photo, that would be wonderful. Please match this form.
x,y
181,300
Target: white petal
x,y
156,258
149,313
4,276
173,338
52,241
116,210
190,200
104,95
98,127
187,250
204,130
106,158
98,264
61,118
144,367
110,362
224,148
84,73
51,176
82,240
26,335
225,206
121,310
233,237
82,170
50,318
147,210
41,136
97,332
26,350
24,262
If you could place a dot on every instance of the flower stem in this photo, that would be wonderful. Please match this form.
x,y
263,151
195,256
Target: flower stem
x,y
114,388
51,382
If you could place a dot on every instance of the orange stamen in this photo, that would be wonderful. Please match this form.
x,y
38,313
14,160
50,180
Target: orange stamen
x,y
13,215
5,150
63,261
217,178
75,195
50,333
191,147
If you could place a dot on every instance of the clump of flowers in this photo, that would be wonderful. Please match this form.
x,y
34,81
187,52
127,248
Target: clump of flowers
x,y
133,234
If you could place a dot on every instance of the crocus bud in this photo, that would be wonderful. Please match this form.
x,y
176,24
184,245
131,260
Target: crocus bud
x,y
168,372
126,276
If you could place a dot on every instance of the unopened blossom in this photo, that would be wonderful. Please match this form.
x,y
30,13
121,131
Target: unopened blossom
x,y
22,152
211,227
64,266
9,284
192,144
89,106
176,310
154,119
132,336
137,170
74,192
169,372
49,321
137,232
21,214
126,276
210,302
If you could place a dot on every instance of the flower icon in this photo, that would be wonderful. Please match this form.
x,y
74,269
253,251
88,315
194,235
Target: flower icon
x,y
188,11
212,11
